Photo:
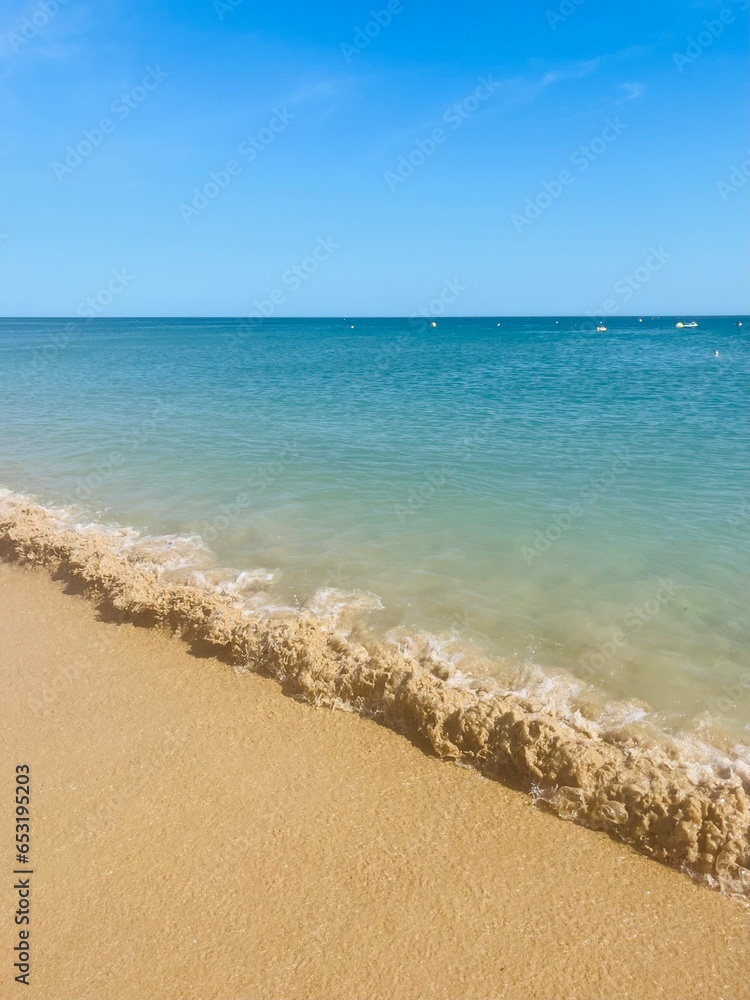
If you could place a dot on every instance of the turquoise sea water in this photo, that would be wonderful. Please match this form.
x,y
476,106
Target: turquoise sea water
x,y
556,503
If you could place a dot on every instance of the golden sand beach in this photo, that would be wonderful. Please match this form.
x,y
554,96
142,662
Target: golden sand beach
x,y
198,834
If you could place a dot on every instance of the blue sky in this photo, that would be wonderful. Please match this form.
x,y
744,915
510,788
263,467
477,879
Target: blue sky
x,y
545,158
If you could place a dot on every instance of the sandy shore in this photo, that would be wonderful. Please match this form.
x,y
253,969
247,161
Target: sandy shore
x,y
197,834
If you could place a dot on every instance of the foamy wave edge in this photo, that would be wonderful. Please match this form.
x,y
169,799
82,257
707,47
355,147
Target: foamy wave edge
x,y
697,820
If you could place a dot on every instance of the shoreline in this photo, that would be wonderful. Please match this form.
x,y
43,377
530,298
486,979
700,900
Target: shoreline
x,y
201,832
691,814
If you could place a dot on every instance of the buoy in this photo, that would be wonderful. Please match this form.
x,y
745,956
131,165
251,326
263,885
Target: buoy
x,y
433,323
680,326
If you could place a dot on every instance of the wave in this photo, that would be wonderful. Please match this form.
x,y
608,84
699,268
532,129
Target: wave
x,y
674,797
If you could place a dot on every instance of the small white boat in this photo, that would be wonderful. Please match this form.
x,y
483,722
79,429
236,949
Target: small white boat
x,y
687,326
601,328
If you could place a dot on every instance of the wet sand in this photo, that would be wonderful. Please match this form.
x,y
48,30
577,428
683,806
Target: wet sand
x,y
198,834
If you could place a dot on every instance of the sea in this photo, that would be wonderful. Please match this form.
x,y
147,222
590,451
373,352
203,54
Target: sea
x,y
555,506
562,508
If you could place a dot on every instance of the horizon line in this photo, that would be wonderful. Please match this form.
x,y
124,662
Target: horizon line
x,y
417,316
